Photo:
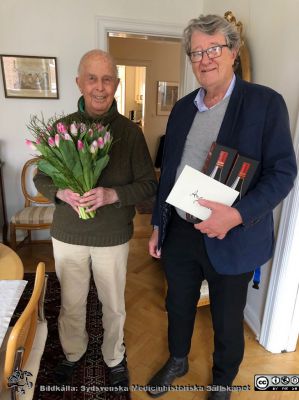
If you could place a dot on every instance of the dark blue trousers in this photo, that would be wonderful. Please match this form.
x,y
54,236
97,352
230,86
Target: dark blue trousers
x,y
186,265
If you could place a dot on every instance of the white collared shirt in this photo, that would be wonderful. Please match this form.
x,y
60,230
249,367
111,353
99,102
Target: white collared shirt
x,y
199,103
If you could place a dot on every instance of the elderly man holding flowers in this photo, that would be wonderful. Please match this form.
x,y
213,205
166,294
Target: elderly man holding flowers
x,y
95,198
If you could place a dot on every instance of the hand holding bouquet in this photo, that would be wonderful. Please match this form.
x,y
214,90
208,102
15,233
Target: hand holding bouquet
x,y
72,155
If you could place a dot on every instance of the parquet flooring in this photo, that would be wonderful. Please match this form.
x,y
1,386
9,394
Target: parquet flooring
x,y
146,329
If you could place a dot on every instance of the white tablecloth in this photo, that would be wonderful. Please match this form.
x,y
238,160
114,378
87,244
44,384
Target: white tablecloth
x,y
10,293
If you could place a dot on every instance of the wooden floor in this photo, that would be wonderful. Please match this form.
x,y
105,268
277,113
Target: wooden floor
x,y
146,329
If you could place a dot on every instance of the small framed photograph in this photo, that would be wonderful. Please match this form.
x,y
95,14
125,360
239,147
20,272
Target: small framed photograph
x,y
167,95
29,77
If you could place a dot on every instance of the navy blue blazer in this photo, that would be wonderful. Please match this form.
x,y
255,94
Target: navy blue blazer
x,y
256,123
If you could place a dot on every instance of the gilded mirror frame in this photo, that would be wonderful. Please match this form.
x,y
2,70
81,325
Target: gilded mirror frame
x,y
243,64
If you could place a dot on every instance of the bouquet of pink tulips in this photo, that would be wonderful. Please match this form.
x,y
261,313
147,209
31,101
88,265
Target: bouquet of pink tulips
x,y
72,155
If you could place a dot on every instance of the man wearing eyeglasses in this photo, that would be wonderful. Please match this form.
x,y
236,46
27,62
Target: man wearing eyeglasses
x,y
227,247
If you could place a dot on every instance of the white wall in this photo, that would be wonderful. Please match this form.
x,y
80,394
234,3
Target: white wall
x,y
64,29
271,31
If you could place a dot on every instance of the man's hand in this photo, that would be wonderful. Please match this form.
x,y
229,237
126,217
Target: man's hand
x,y
69,197
98,197
153,244
222,219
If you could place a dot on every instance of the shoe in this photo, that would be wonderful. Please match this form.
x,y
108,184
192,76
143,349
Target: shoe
x,y
174,368
219,394
64,371
119,375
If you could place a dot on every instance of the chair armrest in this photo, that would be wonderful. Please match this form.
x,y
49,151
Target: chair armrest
x,y
41,302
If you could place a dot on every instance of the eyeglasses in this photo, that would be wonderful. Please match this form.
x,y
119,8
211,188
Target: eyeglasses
x,y
211,52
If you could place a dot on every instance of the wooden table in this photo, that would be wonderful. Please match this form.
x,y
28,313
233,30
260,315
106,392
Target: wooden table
x,y
11,266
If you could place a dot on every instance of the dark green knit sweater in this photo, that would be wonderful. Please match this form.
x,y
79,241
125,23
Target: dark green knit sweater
x,y
130,172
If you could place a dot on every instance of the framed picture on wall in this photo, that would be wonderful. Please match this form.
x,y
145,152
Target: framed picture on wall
x,y
242,65
30,77
167,95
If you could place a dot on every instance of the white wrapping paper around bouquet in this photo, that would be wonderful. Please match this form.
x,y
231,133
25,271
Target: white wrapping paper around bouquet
x,y
193,185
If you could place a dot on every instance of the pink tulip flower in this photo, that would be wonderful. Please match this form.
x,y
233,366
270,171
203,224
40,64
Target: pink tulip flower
x,y
101,143
74,129
61,128
57,139
80,145
67,136
30,144
99,126
107,137
51,142
93,147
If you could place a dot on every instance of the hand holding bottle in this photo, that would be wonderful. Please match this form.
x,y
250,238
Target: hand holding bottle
x,y
222,219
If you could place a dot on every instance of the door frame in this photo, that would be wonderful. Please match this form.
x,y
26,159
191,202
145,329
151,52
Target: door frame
x,y
280,325
105,24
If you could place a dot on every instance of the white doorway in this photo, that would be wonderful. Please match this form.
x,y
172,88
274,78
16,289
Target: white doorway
x,y
111,29
144,62
130,94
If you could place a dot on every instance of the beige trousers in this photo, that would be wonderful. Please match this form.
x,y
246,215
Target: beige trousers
x,y
73,264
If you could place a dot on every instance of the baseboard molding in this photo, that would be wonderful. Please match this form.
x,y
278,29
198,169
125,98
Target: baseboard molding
x,y
35,241
252,320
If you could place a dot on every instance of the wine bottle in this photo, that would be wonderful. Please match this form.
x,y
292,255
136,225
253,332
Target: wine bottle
x,y
238,182
217,170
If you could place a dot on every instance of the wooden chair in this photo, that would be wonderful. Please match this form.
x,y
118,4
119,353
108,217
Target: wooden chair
x,y
11,266
37,212
25,344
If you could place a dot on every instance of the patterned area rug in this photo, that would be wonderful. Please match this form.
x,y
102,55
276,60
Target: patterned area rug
x,y
90,380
